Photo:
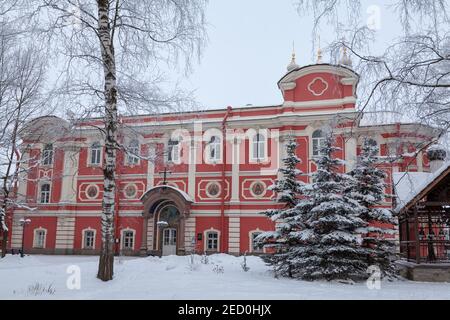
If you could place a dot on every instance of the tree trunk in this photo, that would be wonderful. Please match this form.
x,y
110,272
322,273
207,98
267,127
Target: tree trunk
x,y
106,262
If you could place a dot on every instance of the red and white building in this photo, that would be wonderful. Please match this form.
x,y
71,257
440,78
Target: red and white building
x,y
219,162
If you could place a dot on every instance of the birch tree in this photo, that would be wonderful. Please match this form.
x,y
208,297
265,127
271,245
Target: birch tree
x,y
115,57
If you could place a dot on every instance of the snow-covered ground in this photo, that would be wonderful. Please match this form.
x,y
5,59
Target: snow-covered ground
x,y
173,277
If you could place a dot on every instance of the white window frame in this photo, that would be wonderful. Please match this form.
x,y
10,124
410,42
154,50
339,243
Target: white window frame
x,y
122,238
260,146
250,237
48,154
173,150
97,148
83,244
134,149
35,238
49,192
317,140
205,235
215,146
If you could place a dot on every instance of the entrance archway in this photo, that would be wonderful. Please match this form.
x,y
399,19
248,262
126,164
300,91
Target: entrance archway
x,y
165,211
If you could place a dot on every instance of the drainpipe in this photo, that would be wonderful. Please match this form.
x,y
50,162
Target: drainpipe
x,y
117,196
224,160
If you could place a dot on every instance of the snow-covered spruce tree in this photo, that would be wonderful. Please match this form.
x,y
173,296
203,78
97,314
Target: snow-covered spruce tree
x,y
330,246
368,189
288,191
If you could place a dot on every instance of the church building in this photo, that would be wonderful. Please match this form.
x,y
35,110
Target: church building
x,y
195,181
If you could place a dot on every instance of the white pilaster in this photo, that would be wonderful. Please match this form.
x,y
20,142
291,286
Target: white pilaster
x,y
150,234
350,153
65,233
69,179
234,235
235,190
189,234
151,168
17,232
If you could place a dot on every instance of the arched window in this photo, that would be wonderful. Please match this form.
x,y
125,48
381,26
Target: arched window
x,y
214,148
259,147
128,239
173,154
96,153
212,241
318,141
39,238
47,154
45,193
133,152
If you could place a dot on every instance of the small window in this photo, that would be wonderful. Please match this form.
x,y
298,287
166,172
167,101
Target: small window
x,y
212,241
214,148
96,154
89,239
45,193
47,155
255,247
128,240
173,154
318,140
259,147
133,152
39,239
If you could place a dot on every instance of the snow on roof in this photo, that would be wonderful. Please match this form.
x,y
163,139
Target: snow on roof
x,y
184,194
410,184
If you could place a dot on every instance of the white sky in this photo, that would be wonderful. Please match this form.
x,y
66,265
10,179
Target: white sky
x,y
251,44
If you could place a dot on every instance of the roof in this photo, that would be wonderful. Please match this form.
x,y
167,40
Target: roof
x,y
413,186
181,192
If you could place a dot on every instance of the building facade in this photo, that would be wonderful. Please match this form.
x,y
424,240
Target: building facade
x,y
194,180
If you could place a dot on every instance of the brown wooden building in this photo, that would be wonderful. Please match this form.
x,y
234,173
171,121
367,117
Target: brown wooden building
x,y
423,207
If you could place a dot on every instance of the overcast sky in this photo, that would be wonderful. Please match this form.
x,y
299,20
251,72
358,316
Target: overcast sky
x,y
250,46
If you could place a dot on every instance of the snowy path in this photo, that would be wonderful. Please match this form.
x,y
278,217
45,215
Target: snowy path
x,y
172,278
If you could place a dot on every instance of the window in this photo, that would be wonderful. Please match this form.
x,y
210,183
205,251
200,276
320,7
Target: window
x,y
39,238
89,239
133,152
255,247
45,193
259,147
96,154
212,241
173,154
318,140
214,148
128,239
47,155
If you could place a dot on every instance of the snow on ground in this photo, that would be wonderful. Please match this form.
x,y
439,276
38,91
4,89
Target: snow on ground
x,y
173,277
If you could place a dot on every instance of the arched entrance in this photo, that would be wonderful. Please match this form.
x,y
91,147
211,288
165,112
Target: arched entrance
x,y
165,211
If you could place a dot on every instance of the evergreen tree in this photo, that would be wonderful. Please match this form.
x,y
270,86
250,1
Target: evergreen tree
x,y
368,189
329,246
288,191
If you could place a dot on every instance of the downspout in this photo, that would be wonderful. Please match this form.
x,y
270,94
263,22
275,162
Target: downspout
x,y
117,196
224,161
